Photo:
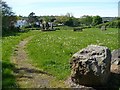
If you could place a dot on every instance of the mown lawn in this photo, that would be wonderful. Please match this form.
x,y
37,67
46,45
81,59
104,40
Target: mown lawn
x,y
9,43
51,51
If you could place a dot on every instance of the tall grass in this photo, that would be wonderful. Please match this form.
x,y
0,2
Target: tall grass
x,y
51,51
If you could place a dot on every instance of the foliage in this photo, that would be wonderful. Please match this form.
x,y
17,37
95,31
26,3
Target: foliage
x,y
86,20
32,18
112,24
48,18
69,15
8,18
6,10
68,20
61,19
72,22
96,20
8,21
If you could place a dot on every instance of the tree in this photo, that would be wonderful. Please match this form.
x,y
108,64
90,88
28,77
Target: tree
x,y
76,22
46,18
8,17
6,10
31,14
86,20
31,17
96,20
69,15
69,22
72,21
62,19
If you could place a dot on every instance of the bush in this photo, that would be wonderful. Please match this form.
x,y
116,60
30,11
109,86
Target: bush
x,y
113,24
6,31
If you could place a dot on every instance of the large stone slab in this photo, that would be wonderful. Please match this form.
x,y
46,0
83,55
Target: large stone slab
x,y
91,66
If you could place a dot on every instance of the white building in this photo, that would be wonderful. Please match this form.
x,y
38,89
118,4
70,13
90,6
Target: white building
x,y
21,23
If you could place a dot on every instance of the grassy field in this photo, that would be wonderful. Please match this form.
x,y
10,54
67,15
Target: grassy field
x,y
9,42
51,51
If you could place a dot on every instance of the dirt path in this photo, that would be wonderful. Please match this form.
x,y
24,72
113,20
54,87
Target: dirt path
x,y
27,75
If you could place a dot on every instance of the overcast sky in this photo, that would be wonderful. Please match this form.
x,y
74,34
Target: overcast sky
x,y
104,8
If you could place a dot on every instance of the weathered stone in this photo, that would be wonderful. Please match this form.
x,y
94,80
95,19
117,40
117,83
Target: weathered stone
x,y
103,28
91,66
115,62
57,28
116,57
78,29
51,26
71,84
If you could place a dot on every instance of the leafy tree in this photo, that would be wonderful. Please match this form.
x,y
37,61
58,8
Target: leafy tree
x,y
52,18
68,20
76,22
31,17
96,20
62,19
72,21
86,20
8,18
31,14
6,10
46,18
69,15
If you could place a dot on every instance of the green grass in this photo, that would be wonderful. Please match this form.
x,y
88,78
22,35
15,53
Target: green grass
x,y
51,51
8,45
